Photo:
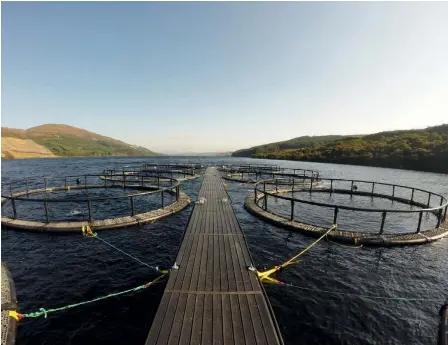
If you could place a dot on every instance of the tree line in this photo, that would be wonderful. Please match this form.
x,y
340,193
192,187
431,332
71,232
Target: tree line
x,y
425,150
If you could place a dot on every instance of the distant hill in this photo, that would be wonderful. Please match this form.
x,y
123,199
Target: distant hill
x,y
200,154
416,149
55,140
296,143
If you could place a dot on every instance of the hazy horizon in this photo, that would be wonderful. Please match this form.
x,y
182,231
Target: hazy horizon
x,y
217,77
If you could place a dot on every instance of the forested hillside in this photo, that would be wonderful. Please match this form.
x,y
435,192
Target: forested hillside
x,y
424,149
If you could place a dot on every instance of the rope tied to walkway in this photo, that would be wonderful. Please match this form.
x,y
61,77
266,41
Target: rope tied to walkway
x,y
44,312
266,275
87,232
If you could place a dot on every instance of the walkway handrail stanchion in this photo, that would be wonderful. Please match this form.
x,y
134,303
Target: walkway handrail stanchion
x,y
292,210
265,202
255,191
383,219
419,221
46,210
439,214
65,181
393,191
331,189
351,188
89,206
13,201
429,199
439,218
373,188
85,181
132,206
163,202
335,216
412,196
177,192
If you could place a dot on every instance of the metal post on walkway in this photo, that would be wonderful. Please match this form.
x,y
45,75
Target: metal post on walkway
x,y
132,206
89,206
46,210
383,219
419,221
13,201
292,210
335,216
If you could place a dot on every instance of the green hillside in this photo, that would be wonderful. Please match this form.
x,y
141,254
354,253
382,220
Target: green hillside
x,y
421,149
63,140
296,143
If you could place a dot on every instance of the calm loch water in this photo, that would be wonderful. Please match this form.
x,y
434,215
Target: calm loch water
x,y
55,270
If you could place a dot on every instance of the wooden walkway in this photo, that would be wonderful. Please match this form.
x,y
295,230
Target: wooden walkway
x,y
213,298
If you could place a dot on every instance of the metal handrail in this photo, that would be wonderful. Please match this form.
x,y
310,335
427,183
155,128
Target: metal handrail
x,y
302,173
169,188
174,186
438,210
315,203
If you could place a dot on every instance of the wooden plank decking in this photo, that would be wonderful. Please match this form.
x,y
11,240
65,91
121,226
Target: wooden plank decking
x,y
213,298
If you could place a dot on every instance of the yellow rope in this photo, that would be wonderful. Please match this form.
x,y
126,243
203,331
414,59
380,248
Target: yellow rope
x,y
290,261
265,275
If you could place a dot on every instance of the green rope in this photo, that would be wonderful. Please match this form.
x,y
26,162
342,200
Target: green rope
x,y
45,312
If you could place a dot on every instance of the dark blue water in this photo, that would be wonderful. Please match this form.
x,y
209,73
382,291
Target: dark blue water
x,y
50,270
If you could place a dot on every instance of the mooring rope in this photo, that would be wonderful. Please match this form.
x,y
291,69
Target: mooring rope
x,y
45,312
87,232
354,295
265,275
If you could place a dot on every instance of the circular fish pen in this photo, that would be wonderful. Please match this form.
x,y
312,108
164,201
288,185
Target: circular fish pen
x,y
254,174
132,173
66,204
366,212
132,176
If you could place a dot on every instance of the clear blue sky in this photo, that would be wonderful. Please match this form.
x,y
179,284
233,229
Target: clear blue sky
x,y
222,76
